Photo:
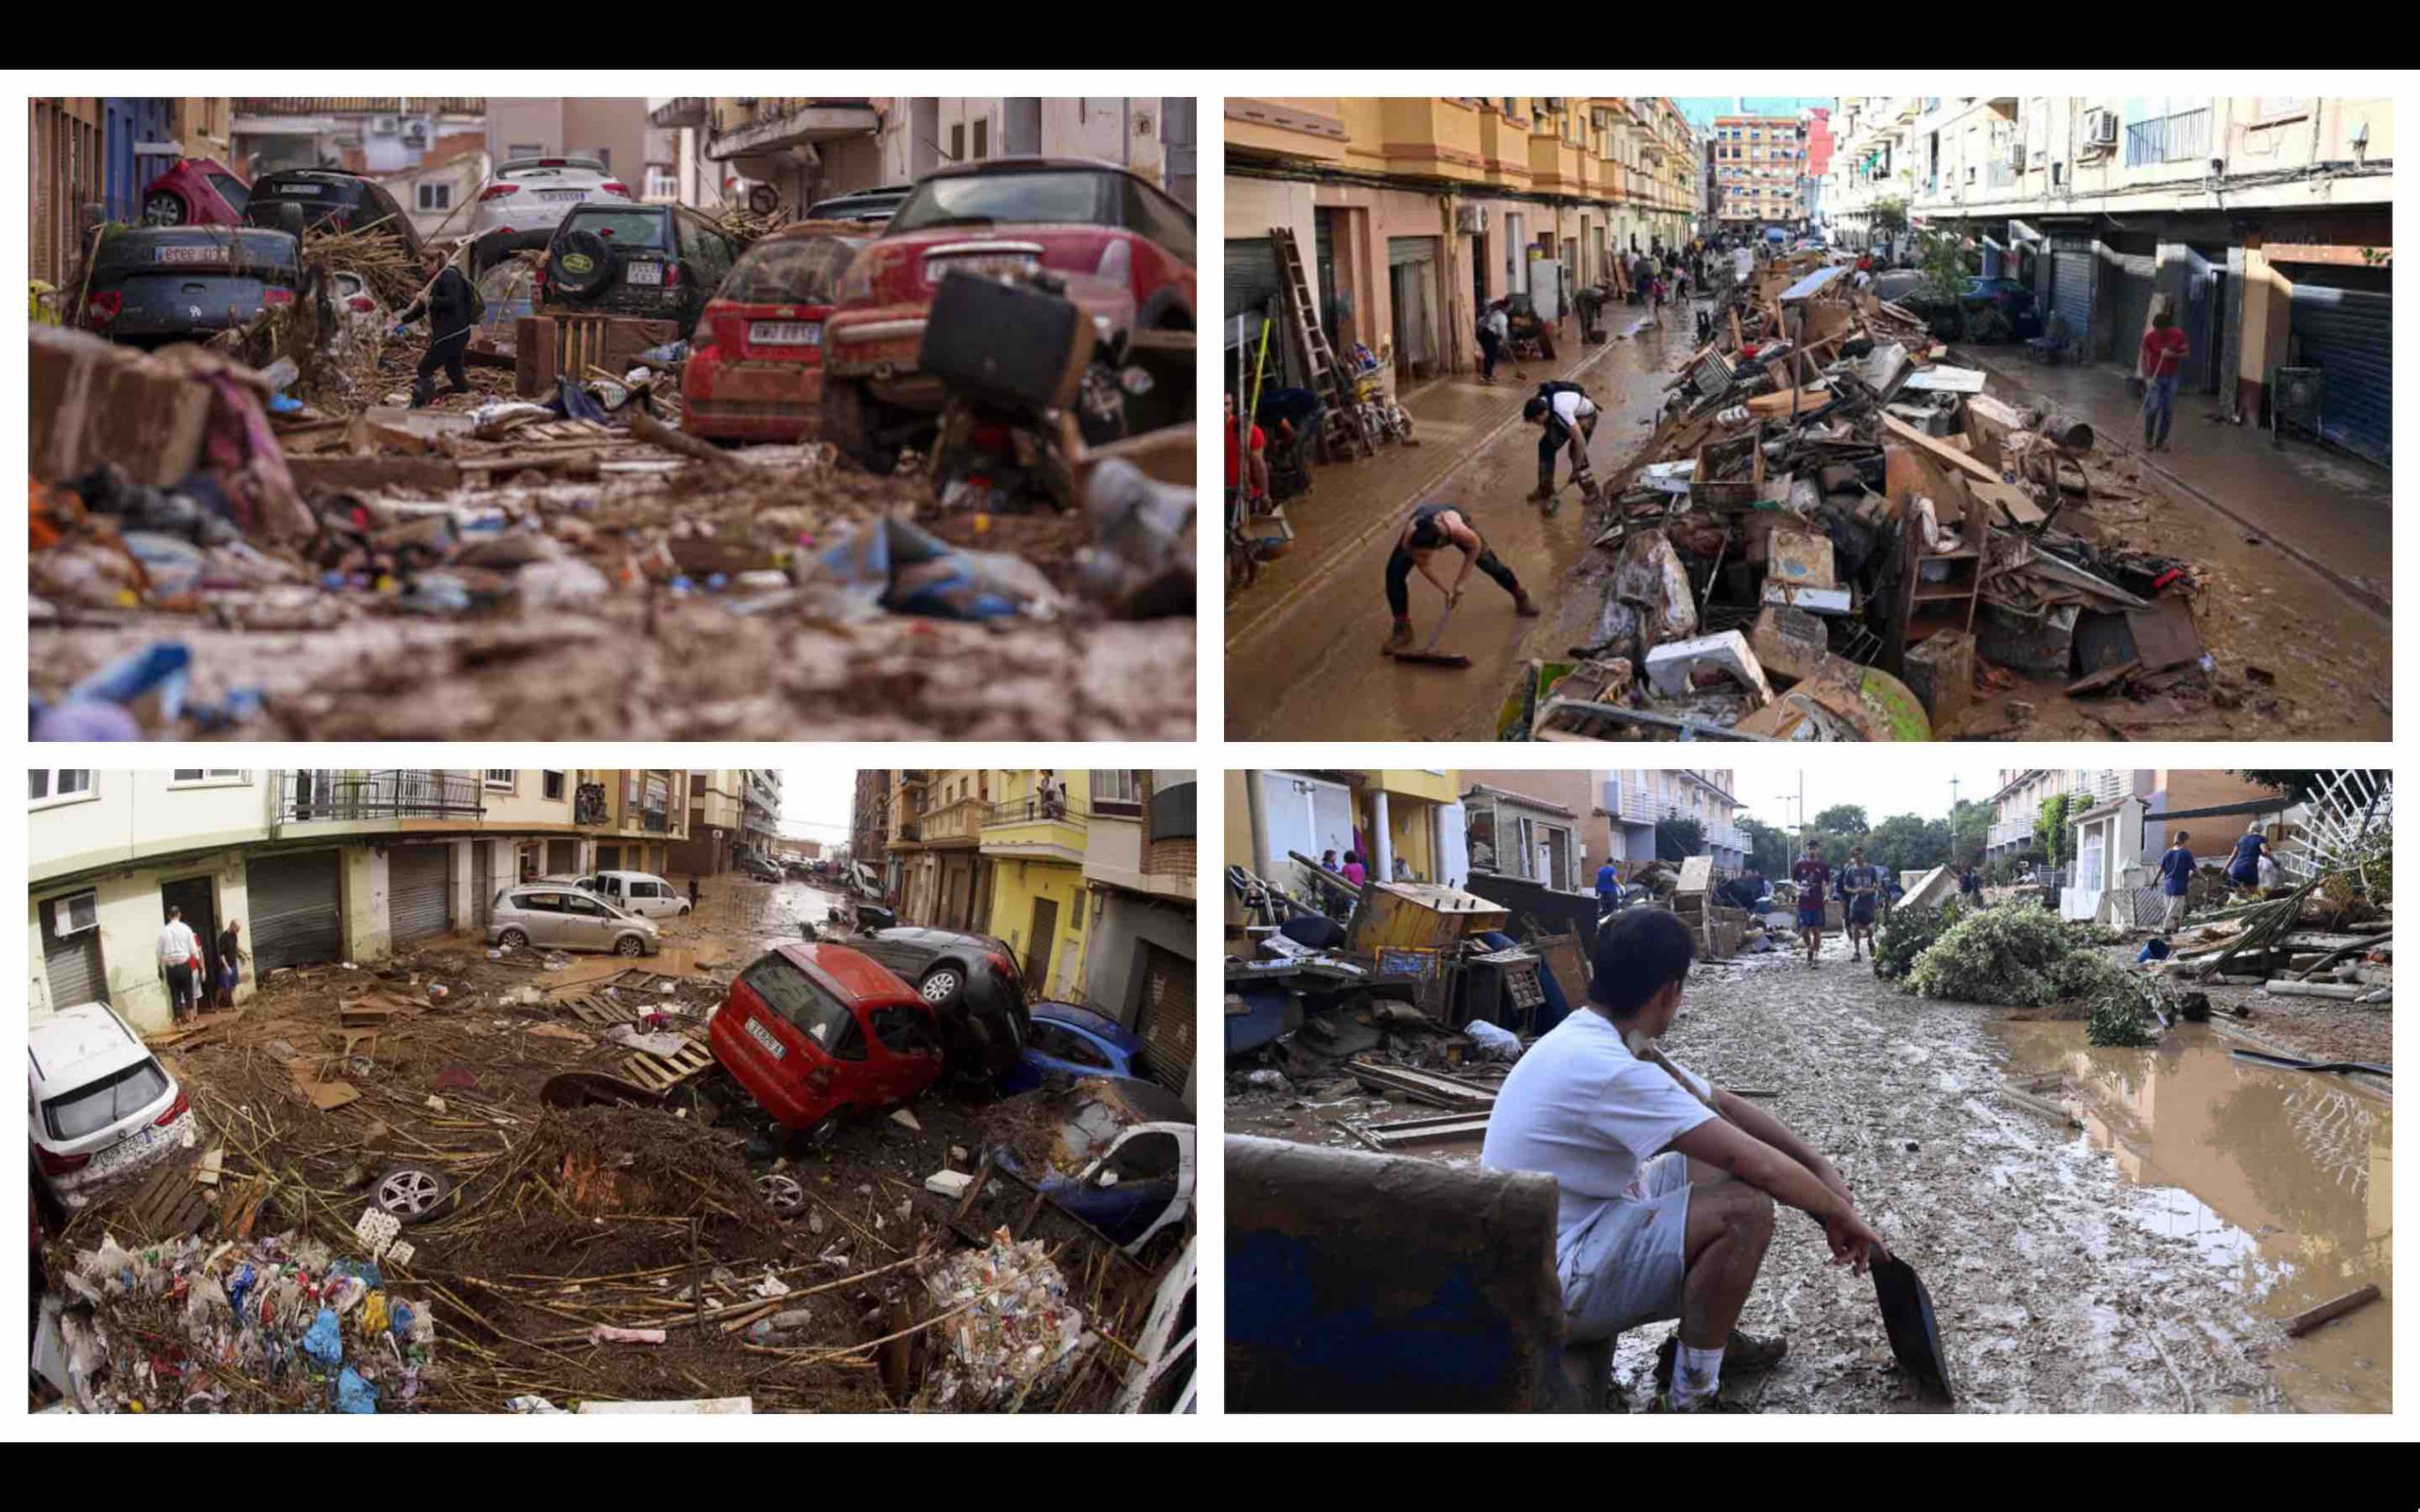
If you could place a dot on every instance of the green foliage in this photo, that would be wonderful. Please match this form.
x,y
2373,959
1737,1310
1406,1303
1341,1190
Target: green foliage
x,y
2092,931
1889,215
1941,256
2119,1006
1768,847
1906,933
1997,956
1970,829
2050,834
1905,843
1842,818
1676,839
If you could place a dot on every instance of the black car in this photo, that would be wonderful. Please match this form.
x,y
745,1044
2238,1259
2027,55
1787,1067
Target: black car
x,y
873,206
646,262
972,982
328,198
158,284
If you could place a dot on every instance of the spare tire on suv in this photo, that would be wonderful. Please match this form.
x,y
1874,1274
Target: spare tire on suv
x,y
580,264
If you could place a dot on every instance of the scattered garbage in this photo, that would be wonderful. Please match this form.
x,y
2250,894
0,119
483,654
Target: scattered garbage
x,y
1008,1330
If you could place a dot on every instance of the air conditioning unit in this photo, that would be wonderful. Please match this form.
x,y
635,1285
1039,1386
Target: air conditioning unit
x,y
416,134
383,126
1468,221
2101,128
75,915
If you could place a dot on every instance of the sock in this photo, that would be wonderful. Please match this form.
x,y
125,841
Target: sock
x,y
1696,1375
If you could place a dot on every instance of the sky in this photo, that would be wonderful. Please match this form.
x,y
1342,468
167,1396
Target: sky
x,y
815,804
1881,790
1700,109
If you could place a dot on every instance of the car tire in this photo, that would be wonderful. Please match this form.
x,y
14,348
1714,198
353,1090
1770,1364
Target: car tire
x,y
513,939
818,1136
413,1193
782,1194
943,985
163,209
629,946
849,417
592,263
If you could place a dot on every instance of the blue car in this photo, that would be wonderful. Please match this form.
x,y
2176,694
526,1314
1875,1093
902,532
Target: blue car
x,y
155,284
1072,1041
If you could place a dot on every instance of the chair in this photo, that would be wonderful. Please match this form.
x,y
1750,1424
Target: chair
x,y
2053,340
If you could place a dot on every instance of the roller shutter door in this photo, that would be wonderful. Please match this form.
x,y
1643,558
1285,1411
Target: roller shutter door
x,y
2130,300
1164,1024
608,858
482,883
1252,283
2071,291
73,963
298,909
559,858
420,892
2349,335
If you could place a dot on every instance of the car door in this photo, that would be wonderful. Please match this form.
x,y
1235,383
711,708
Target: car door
x,y
587,925
907,1050
649,900
540,915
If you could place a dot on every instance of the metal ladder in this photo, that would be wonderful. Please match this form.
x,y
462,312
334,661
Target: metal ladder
x,y
1341,423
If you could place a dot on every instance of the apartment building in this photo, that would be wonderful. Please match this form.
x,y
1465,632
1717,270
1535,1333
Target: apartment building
x,y
1762,168
1411,213
760,808
714,828
2263,224
318,866
944,880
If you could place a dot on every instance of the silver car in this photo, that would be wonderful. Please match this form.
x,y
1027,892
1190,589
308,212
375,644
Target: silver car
x,y
566,919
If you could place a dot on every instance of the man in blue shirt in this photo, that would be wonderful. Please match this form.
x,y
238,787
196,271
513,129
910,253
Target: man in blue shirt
x,y
1609,890
2243,867
2175,876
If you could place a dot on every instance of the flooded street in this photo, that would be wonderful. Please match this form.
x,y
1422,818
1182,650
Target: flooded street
x,y
2284,1181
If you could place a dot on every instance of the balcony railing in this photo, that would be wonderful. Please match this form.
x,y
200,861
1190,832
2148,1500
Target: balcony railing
x,y
659,820
958,820
2169,139
1032,810
317,797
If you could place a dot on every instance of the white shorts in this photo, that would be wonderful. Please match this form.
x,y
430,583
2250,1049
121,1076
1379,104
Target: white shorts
x,y
1627,1265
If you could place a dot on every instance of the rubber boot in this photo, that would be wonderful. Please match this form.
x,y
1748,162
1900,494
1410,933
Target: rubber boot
x,y
423,390
1401,638
1524,604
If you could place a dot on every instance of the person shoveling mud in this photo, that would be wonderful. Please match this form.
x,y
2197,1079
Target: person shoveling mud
x,y
1668,1184
1431,528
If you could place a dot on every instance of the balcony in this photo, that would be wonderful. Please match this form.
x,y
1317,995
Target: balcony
x,y
1629,803
784,126
346,798
694,110
907,833
959,823
658,821
2178,138
1022,826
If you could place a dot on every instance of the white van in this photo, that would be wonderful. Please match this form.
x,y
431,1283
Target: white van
x,y
639,892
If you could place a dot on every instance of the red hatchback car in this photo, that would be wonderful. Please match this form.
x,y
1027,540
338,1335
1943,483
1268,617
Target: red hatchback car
x,y
197,192
1124,247
755,369
813,1032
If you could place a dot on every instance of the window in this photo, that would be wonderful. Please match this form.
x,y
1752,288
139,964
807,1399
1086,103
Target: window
x,y
556,786
499,778
206,776
433,197
809,1009
1117,792
661,182
540,903
44,789
983,137
525,149
93,1108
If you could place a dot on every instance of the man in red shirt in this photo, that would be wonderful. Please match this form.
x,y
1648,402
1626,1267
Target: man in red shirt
x,y
2165,350
1258,466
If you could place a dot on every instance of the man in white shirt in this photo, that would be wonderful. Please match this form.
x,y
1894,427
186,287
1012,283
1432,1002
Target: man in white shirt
x,y
1495,339
177,951
1566,418
1668,1186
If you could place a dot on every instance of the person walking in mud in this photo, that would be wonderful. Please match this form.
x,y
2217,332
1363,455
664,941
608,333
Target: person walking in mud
x,y
2243,866
2175,881
1566,420
1812,874
1668,1184
1431,528
449,304
1494,336
1861,900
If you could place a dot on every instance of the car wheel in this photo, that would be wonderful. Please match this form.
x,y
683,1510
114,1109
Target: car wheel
x,y
782,1194
513,939
819,1135
850,415
943,985
164,210
629,945
411,1193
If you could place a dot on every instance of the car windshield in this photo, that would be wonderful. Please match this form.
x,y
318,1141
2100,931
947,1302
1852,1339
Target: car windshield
x,y
91,1108
804,271
231,190
1042,197
649,228
799,998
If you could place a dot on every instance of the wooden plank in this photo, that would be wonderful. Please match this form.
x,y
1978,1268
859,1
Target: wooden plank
x,y
1934,447
2330,1310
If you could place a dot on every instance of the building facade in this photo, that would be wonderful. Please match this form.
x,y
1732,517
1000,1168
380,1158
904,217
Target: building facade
x,y
1760,165
714,828
1614,814
1411,213
2262,224
316,866
88,159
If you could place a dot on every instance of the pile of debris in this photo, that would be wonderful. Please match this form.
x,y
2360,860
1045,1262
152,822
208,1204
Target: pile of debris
x,y
1834,534
1011,1332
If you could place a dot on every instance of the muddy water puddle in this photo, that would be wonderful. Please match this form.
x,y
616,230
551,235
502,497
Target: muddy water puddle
x,y
2283,1181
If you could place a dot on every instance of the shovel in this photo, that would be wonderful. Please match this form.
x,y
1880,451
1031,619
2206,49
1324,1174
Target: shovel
x,y
1906,1307
1428,655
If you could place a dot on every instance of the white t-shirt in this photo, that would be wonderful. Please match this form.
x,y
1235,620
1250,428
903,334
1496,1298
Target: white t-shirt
x,y
175,943
1580,1107
1573,407
1498,322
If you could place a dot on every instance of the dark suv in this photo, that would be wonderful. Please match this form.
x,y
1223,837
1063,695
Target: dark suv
x,y
327,198
647,261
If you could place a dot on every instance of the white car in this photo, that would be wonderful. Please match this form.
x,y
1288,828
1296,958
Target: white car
x,y
526,198
101,1106
643,893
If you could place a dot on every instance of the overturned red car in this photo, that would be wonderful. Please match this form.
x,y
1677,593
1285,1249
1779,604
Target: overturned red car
x,y
196,192
756,368
815,1032
1124,247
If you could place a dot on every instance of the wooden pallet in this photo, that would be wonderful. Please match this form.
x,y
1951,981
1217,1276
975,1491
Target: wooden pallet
x,y
604,1011
656,1072
167,1205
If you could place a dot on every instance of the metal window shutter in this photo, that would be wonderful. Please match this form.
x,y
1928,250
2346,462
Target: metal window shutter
x,y
298,909
1252,281
73,965
559,857
2071,292
419,896
608,858
2349,335
1164,1024
1401,250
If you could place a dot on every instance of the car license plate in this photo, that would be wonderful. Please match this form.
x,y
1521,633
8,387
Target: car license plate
x,y
190,254
562,194
941,267
785,333
770,1040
